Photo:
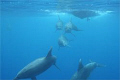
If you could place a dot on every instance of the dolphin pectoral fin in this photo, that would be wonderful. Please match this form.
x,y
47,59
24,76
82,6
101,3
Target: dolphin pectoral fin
x,y
57,67
33,78
49,53
80,66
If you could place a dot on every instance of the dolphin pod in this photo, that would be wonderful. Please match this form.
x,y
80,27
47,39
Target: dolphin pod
x,y
40,65
69,27
37,67
83,72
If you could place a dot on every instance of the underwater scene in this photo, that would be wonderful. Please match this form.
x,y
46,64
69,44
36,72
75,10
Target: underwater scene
x,y
59,40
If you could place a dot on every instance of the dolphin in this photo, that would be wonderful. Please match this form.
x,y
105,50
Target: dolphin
x,y
63,41
70,26
85,14
83,72
37,67
59,24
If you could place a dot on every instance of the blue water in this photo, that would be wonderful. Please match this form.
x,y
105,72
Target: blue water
x,y
27,34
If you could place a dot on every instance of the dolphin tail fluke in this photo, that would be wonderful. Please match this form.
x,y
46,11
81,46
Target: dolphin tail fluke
x,y
33,78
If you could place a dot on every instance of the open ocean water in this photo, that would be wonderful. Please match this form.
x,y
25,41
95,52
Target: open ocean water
x,y
28,30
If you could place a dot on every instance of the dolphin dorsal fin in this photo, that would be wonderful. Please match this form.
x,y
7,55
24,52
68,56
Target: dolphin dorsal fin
x,y
49,53
80,66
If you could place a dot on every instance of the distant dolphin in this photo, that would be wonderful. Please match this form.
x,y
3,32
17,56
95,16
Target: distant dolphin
x,y
59,24
37,67
63,41
83,72
85,14
70,26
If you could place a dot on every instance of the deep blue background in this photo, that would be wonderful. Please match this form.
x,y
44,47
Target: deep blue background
x,y
26,38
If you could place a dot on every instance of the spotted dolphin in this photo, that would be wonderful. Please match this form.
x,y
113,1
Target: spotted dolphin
x,y
83,72
37,67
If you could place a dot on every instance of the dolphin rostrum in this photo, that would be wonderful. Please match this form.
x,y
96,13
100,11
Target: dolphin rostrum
x,y
83,72
59,24
37,67
63,41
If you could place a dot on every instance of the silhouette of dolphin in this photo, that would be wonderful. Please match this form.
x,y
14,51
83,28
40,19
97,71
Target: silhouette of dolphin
x,y
63,41
59,24
83,72
37,67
